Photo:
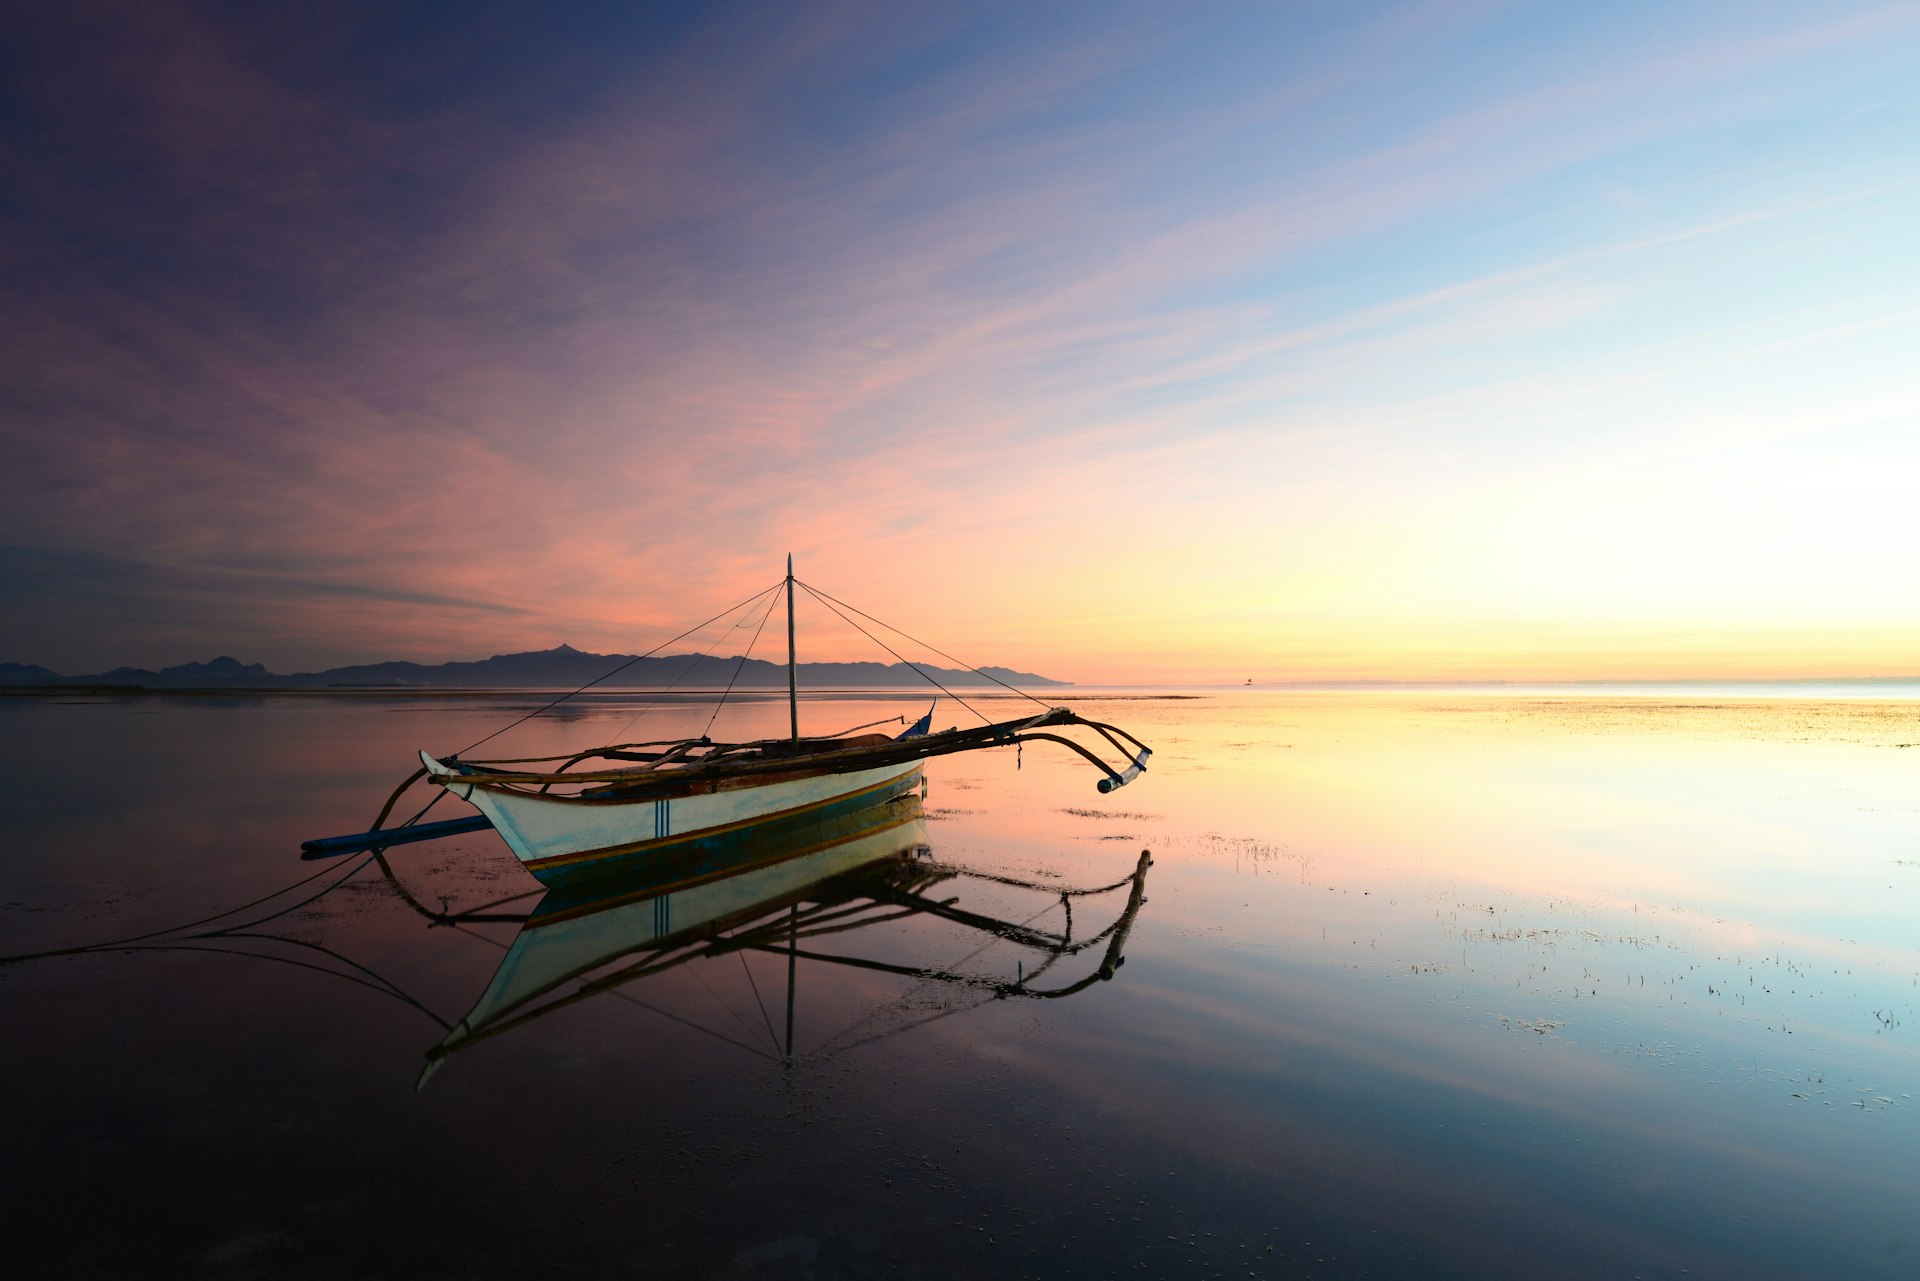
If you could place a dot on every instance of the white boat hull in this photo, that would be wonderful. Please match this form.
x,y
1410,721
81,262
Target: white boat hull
x,y
555,835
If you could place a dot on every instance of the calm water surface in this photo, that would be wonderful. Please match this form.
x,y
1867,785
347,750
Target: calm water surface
x,y
1422,985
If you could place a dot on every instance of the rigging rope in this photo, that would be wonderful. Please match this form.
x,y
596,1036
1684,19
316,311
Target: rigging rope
x,y
772,600
739,1018
828,1047
825,600
949,657
671,1017
623,667
748,971
615,992
772,593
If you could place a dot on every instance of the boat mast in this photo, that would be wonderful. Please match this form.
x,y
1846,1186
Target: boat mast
x,y
793,679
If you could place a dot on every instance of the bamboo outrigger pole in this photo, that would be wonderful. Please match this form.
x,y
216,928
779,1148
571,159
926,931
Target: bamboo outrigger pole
x,y
793,676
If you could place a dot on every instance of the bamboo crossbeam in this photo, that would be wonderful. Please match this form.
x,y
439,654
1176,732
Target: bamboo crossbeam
x,y
893,751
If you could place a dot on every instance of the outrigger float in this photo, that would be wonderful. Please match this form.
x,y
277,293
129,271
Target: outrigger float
x,y
605,810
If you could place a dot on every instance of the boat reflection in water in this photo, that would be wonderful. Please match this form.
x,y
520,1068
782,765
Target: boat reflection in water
x,y
782,889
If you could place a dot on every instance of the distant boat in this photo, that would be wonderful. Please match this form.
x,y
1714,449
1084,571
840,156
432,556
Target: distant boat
x,y
638,801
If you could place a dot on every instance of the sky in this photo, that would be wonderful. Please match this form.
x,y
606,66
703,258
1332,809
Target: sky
x,y
1159,343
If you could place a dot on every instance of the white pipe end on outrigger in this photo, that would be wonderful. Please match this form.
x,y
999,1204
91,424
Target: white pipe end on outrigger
x,y
1127,775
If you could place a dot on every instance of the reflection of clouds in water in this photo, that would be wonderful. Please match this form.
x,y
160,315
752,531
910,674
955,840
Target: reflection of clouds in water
x,y
1448,969
1709,873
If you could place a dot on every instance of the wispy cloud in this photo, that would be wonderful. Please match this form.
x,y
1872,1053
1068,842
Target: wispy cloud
x,y
995,304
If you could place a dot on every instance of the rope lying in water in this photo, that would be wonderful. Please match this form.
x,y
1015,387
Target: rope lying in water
x,y
176,931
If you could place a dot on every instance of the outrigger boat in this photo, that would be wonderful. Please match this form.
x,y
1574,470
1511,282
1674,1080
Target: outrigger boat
x,y
599,811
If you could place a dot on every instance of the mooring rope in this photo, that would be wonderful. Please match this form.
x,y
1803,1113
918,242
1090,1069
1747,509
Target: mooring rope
x,y
175,932
375,982
112,944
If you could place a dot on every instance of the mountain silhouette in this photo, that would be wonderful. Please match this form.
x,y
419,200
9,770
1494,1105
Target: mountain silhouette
x,y
560,667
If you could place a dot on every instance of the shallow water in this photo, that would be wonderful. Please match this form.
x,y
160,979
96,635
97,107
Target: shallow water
x,y
1423,984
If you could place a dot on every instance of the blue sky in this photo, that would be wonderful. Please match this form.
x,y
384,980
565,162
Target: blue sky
x,y
1121,342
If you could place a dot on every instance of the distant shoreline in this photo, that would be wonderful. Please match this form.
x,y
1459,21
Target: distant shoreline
x,y
495,691
1896,688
